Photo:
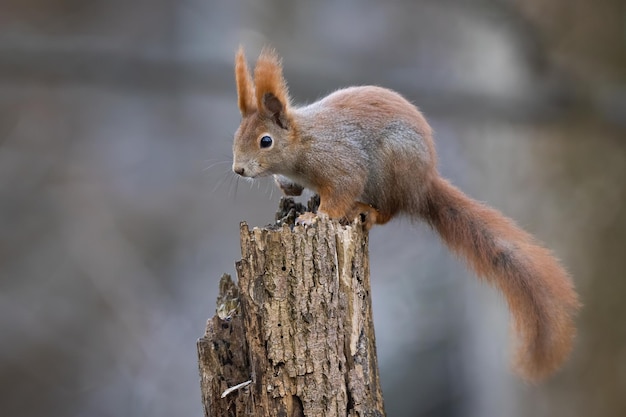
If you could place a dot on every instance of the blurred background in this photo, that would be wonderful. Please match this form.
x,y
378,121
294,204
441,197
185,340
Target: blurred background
x,y
119,213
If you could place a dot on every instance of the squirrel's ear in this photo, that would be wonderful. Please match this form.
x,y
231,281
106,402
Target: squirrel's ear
x,y
245,87
272,94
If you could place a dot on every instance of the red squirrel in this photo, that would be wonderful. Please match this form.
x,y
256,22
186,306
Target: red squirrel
x,y
367,150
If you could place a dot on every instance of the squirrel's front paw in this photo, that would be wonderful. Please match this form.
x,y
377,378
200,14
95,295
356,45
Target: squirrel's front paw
x,y
287,186
307,219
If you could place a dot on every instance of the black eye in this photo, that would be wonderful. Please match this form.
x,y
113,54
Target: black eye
x,y
266,142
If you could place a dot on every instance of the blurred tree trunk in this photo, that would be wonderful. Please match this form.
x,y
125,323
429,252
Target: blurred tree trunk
x,y
296,336
585,38
592,382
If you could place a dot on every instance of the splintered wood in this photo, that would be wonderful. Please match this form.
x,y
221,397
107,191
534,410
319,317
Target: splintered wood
x,y
296,336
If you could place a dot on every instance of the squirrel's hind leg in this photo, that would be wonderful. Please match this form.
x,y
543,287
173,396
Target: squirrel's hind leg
x,y
372,215
333,205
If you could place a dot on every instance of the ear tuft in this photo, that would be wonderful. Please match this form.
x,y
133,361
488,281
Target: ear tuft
x,y
272,94
245,87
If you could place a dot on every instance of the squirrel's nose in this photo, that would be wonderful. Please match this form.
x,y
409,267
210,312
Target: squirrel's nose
x,y
239,170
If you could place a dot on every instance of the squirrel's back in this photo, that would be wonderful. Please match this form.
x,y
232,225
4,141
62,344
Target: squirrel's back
x,y
396,150
372,105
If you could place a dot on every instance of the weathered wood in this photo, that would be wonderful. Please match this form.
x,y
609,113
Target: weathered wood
x,y
302,330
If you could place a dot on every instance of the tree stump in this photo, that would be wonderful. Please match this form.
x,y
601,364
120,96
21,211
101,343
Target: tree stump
x,y
296,336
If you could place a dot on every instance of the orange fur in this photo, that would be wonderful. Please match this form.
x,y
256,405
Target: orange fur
x,y
368,150
539,291
245,85
268,78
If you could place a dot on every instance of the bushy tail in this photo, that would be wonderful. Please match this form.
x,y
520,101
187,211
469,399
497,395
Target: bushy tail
x,y
539,292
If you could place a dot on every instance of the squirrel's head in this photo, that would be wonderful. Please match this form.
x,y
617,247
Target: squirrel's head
x,y
262,142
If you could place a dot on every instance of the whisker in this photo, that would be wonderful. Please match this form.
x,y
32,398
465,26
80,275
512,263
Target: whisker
x,y
214,164
236,186
220,182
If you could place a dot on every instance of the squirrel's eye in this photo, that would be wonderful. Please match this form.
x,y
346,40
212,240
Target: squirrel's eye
x,y
265,142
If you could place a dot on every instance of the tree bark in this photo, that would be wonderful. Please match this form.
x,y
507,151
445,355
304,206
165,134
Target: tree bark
x,y
298,326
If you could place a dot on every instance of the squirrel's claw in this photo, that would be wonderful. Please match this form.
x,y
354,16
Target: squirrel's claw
x,y
307,219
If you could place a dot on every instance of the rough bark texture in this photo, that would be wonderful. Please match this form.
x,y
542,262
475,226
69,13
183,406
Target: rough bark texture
x,y
299,326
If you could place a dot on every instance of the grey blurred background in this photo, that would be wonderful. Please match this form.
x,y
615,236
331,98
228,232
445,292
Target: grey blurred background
x,y
118,211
